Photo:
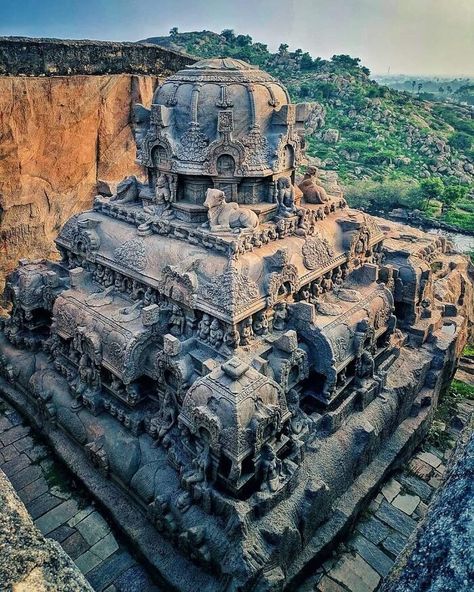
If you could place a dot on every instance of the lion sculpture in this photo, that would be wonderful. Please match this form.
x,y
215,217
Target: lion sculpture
x,y
313,193
130,190
225,216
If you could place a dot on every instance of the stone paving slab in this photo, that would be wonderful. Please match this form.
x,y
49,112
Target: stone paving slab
x,y
406,503
87,561
394,544
75,545
93,528
395,518
74,521
57,516
329,585
15,465
420,468
373,555
61,533
26,476
373,529
417,486
42,504
9,453
12,435
391,489
430,459
24,444
104,575
105,547
355,573
33,490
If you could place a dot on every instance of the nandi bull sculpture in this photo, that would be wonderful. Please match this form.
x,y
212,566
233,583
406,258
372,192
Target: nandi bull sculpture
x,y
225,216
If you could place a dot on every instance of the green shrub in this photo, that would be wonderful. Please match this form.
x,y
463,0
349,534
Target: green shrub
x,y
385,195
461,141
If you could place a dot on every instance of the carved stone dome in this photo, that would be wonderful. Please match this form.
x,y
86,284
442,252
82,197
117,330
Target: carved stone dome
x,y
226,120
204,90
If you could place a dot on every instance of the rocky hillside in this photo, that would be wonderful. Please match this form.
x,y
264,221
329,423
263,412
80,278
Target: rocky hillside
x,y
359,128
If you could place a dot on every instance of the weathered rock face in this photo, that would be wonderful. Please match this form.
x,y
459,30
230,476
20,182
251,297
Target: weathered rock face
x,y
58,136
27,56
29,561
440,556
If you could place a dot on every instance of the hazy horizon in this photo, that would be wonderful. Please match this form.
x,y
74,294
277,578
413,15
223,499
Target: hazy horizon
x,y
409,37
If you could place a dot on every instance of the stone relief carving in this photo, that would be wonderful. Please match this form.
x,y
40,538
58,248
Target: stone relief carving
x,y
256,150
132,254
193,144
232,290
317,252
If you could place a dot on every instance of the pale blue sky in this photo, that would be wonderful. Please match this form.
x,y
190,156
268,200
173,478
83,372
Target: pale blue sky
x,y
409,36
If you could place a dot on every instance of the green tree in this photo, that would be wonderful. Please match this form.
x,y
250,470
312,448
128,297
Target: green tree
x,y
228,35
174,31
345,61
306,62
431,188
243,40
453,194
283,49
460,140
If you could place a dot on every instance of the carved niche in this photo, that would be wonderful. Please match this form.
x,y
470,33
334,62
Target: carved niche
x,y
283,276
177,285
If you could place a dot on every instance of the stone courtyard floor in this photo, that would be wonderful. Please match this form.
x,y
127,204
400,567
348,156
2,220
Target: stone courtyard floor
x,y
65,512
62,510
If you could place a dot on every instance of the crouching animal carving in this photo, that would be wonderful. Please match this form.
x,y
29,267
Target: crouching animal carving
x,y
130,190
313,193
225,216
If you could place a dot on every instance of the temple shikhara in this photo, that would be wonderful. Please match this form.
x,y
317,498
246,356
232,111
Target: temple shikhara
x,y
229,347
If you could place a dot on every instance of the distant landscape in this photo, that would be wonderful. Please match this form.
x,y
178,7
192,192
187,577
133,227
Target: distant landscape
x,y
395,141
443,88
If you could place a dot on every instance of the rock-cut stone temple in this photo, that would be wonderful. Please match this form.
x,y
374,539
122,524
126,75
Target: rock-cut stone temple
x,y
227,348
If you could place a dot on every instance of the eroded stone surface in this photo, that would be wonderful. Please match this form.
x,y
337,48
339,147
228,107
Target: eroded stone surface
x,y
28,561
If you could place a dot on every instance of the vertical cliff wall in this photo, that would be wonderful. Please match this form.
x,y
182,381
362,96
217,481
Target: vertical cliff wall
x,y
57,137
60,134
